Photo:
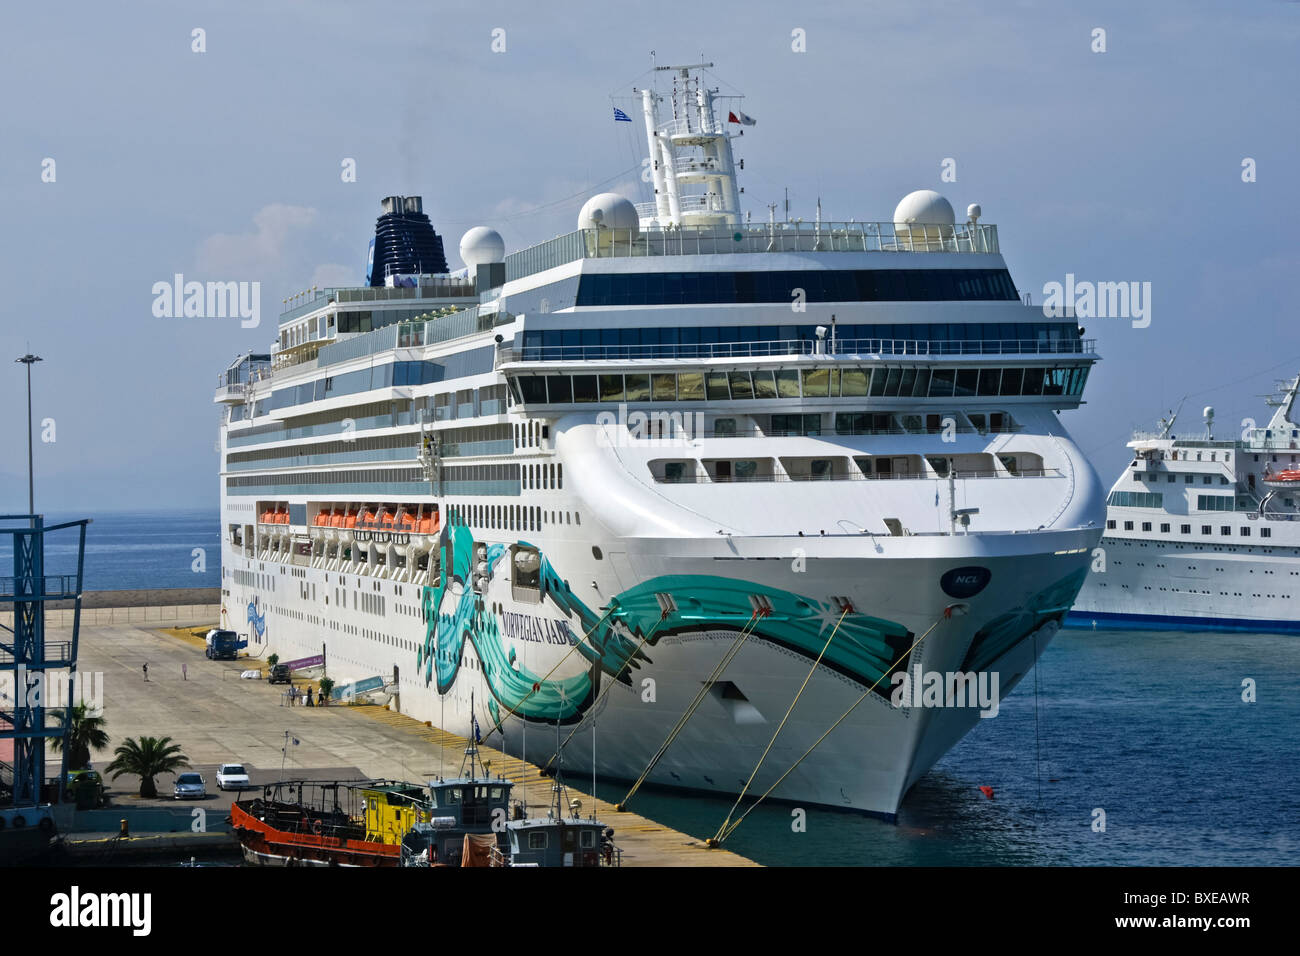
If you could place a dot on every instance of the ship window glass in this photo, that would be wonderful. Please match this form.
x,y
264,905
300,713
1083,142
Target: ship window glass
x,y
850,423
746,470
638,388
611,388
1128,525
1136,499
990,379
559,388
1012,380
1185,529
663,388
967,379
690,386
787,383
741,386
764,385
674,471
1266,532
584,388
537,840
716,386
1245,532
1146,525
1033,382
1214,502
1111,524
1225,529
1206,529
1164,528
1189,479
941,383
533,388
922,383
815,382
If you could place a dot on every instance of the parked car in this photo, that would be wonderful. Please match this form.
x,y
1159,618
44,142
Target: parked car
x,y
86,787
190,786
279,674
232,776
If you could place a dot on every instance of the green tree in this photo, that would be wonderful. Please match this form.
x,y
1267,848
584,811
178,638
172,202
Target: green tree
x,y
326,685
273,659
85,733
147,758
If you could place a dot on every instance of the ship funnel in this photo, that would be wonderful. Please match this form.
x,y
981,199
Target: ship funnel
x,y
404,243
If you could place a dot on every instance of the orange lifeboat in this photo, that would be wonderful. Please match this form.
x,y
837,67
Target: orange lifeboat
x,y
1288,479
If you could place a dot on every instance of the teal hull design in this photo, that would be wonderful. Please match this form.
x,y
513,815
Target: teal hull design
x,y
865,648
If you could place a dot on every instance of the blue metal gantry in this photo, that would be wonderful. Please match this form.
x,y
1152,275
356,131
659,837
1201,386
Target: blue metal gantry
x,y
26,657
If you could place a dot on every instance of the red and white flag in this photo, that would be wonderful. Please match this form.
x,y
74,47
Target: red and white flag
x,y
741,118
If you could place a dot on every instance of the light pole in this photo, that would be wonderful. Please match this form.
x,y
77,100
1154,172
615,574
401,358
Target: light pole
x,y
29,360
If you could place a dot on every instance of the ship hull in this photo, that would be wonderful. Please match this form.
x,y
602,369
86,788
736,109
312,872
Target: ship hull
x,y
846,744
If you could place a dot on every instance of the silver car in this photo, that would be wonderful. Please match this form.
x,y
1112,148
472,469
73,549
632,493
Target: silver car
x,y
190,786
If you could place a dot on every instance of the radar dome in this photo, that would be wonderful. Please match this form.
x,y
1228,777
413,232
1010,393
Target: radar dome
x,y
481,246
609,211
924,207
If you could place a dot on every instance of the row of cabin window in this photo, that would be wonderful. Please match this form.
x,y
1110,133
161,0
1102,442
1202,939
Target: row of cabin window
x,y
1225,530
515,517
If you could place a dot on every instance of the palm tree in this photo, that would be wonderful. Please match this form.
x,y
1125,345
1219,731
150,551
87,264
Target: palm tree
x,y
147,758
85,733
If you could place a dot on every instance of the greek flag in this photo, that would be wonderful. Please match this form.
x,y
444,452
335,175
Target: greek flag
x,y
620,116
478,738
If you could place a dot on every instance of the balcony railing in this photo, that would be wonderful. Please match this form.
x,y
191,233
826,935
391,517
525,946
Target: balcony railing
x,y
751,238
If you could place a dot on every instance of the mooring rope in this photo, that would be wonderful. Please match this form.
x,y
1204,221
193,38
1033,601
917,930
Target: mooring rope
x,y
627,662
717,672
537,685
728,827
718,837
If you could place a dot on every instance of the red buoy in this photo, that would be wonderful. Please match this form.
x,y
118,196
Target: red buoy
x,y
987,791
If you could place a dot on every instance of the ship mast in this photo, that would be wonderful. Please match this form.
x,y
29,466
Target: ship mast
x,y
690,156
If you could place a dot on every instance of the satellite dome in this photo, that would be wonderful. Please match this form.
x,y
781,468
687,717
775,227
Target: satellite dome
x,y
609,211
480,246
924,207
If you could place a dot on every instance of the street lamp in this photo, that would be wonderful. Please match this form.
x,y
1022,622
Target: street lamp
x,y
29,360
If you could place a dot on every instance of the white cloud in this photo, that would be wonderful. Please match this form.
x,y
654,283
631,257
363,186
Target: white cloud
x,y
263,250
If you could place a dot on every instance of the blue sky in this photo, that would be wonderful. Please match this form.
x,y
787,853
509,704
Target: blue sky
x,y
1115,166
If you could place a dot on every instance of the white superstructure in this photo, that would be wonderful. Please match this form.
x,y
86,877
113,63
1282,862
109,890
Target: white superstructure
x,y
568,486
1203,532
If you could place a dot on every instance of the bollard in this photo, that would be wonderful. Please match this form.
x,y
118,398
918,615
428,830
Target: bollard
x,y
125,830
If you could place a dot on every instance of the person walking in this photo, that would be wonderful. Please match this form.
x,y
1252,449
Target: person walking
x,y
146,670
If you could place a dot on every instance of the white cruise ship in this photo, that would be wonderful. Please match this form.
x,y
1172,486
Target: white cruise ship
x,y
1203,533
568,484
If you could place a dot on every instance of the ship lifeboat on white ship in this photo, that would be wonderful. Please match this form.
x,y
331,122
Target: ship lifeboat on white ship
x,y
1288,480
347,525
